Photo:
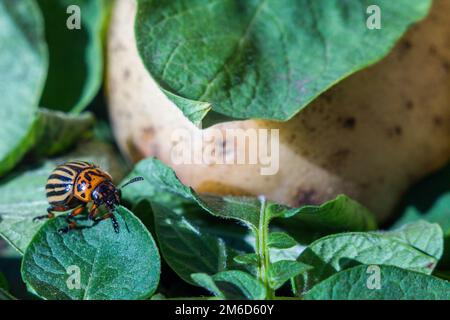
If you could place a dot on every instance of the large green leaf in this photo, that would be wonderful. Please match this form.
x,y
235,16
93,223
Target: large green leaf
x,y
124,265
234,285
187,247
422,235
160,184
262,58
4,289
438,213
23,67
57,131
341,214
395,284
22,194
416,248
76,57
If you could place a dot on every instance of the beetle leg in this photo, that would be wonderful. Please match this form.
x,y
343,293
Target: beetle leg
x,y
113,219
50,213
70,223
93,212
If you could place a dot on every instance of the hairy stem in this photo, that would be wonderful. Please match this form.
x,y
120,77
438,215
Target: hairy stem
x,y
262,249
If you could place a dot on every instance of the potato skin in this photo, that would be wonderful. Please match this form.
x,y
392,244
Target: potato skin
x,y
371,136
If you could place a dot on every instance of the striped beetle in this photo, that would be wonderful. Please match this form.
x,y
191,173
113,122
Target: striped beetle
x,y
74,184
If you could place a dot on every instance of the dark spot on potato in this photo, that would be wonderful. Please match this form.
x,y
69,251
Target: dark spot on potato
x,y
118,47
409,104
432,50
396,131
337,159
348,123
306,124
149,132
404,47
437,121
307,197
364,185
126,74
292,137
446,66
327,96
406,44
341,153
83,195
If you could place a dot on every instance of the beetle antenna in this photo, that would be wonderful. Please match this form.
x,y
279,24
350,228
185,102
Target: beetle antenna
x,y
133,180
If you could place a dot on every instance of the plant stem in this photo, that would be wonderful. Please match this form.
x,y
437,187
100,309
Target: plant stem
x,y
262,249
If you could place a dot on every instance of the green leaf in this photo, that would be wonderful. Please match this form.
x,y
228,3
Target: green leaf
x,y
395,284
4,289
58,131
421,235
124,265
286,254
160,184
438,213
158,296
235,285
22,197
283,270
341,214
23,67
76,57
5,295
22,194
248,258
186,247
334,253
3,282
281,240
259,58
442,274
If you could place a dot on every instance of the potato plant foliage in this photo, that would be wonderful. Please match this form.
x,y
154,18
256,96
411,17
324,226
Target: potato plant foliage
x,y
257,59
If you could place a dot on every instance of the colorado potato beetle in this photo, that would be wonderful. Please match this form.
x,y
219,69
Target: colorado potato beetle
x,y
75,184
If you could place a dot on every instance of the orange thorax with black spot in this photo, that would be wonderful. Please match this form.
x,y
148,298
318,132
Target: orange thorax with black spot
x,y
87,181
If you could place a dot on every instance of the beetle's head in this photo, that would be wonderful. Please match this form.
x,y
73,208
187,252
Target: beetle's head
x,y
106,193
